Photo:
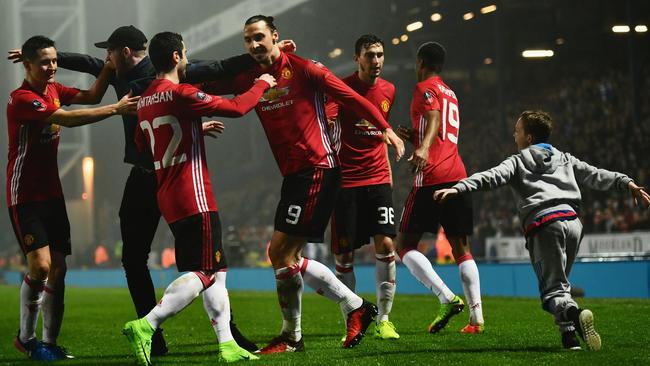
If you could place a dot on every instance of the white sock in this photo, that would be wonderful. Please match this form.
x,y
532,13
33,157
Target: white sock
x,y
472,287
180,293
345,273
324,282
385,284
423,271
31,297
217,304
52,310
289,285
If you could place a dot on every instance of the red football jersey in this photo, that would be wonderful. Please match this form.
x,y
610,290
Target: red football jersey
x,y
444,165
360,145
169,117
32,169
293,112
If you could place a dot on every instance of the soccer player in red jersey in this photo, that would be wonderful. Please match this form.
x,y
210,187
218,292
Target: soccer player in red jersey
x,y
364,207
293,117
34,194
435,120
170,127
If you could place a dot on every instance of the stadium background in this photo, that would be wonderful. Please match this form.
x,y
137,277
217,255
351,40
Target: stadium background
x,y
596,85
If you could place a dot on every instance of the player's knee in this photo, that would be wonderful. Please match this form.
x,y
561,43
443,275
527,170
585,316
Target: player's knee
x,y
384,245
40,270
207,278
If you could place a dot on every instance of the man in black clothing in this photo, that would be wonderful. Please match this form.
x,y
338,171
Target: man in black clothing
x,y
139,213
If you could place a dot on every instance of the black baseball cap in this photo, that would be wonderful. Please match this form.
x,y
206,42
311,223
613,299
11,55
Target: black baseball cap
x,y
126,36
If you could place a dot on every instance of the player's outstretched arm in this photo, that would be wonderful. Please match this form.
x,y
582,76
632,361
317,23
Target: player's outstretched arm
x,y
242,104
80,117
212,105
96,92
639,193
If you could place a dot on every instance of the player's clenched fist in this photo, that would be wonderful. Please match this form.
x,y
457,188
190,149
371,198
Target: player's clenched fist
x,y
269,79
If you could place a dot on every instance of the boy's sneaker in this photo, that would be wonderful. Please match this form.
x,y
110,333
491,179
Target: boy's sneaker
x,y
445,312
570,341
139,333
231,352
587,330
357,323
583,320
281,344
386,330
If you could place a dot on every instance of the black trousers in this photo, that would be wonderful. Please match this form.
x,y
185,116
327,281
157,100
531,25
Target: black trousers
x,y
139,217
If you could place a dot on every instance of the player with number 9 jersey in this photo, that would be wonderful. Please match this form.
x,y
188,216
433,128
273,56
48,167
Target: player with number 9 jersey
x,y
444,164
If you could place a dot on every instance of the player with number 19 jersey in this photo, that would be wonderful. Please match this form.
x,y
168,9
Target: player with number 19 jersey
x,y
444,164
169,117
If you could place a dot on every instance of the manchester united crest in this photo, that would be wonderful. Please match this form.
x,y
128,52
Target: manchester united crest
x,y
385,106
287,73
217,256
28,239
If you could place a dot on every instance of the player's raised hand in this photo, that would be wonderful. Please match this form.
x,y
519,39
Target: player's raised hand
x,y
391,138
287,45
419,159
639,194
443,195
15,55
269,79
404,132
127,105
212,127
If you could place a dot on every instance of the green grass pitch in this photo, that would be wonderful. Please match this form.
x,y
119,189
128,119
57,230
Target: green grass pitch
x,y
517,332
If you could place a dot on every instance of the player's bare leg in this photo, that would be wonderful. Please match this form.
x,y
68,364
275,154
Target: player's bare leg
x,y
423,271
471,282
385,271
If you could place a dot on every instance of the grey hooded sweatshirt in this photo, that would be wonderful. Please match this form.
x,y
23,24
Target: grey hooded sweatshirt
x,y
544,180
